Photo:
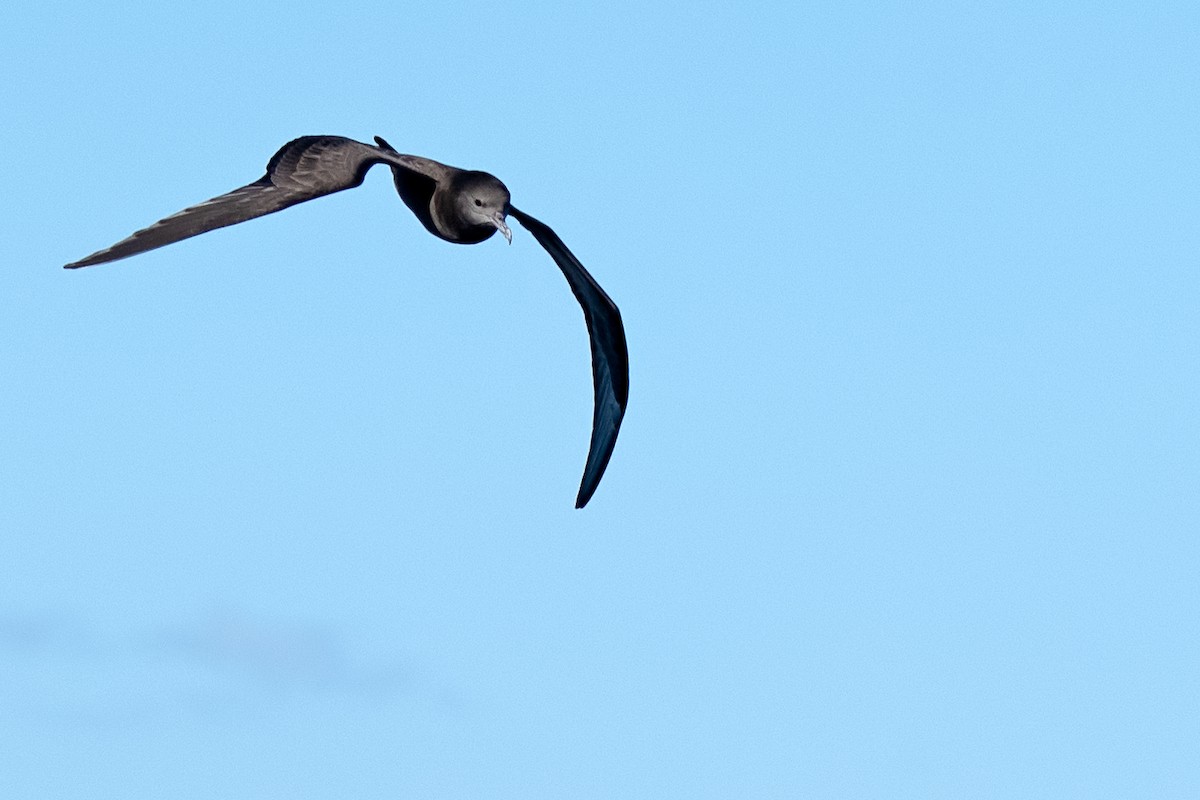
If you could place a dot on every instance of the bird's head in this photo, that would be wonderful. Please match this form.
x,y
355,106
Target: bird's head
x,y
482,200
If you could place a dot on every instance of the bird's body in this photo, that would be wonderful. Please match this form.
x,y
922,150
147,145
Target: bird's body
x,y
460,206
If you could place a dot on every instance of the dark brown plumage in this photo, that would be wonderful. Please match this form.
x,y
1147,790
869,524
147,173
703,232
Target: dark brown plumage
x,y
461,206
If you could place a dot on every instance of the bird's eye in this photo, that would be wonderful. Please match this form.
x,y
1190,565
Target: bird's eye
x,y
478,202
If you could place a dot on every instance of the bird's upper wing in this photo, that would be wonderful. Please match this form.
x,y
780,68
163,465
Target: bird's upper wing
x,y
304,168
610,354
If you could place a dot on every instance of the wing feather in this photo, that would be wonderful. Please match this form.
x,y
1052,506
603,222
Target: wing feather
x,y
610,353
303,169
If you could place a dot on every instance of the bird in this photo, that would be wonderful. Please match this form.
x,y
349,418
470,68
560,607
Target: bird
x,y
457,205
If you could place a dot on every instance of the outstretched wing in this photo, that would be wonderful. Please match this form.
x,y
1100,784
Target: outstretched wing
x,y
304,168
610,354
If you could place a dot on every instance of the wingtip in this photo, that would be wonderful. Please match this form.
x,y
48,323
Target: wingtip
x,y
585,494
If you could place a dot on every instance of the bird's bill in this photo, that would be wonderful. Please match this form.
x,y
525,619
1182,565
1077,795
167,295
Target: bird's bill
x,y
498,221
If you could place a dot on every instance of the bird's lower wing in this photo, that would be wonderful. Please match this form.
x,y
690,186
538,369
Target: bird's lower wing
x,y
303,169
610,353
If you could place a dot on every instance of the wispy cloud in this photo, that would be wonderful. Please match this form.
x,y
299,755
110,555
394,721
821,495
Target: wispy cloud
x,y
219,661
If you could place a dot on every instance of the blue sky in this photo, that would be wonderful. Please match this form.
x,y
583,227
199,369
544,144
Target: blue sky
x,y
905,503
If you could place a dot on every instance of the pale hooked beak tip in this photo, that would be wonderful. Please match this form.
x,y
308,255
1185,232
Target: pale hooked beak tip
x,y
498,221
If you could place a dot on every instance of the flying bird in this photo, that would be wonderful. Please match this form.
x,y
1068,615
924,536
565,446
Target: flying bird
x,y
460,206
